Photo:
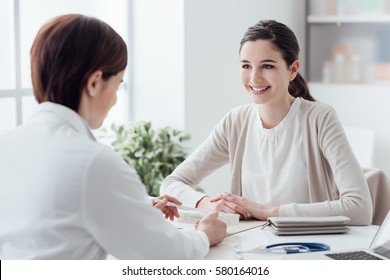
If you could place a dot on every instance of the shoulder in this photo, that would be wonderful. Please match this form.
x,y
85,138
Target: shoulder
x,y
243,109
107,171
90,156
236,119
320,120
316,110
315,106
240,113
104,157
232,124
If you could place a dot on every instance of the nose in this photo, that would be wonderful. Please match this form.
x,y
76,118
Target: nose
x,y
256,76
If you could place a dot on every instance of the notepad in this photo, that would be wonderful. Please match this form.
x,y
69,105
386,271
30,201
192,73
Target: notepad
x,y
308,225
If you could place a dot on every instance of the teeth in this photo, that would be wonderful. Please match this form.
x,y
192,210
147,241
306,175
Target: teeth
x,y
259,89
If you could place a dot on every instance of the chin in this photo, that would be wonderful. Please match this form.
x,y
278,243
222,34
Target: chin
x,y
259,101
97,125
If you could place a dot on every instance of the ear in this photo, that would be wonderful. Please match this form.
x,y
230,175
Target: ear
x,y
93,82
294,67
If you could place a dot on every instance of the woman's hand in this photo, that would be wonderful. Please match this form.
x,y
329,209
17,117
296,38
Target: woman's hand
x,y
170,212
255,210
222,205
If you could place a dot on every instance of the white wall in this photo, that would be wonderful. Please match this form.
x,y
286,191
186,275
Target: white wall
x,y
213,31
191,80
158,62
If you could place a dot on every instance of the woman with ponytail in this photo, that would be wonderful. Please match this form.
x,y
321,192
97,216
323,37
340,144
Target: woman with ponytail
x,y
288,154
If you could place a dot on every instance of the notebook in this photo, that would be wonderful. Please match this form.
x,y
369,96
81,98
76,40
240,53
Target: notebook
x,y
308,225
379,248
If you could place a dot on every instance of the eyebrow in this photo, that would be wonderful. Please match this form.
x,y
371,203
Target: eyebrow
x,y
262,61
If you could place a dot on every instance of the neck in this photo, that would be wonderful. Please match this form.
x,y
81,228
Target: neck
x,y
271,114
86,112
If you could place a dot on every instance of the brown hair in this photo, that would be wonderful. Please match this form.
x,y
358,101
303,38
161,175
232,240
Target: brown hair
x,y
285,41
67,50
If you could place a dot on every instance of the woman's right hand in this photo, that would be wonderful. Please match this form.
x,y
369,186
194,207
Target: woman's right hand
x,y
222,205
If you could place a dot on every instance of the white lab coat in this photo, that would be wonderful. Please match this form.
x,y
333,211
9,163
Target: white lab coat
x,y
65,196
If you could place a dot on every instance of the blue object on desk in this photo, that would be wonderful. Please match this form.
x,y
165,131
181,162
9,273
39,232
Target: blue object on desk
x,y
300,247
288,248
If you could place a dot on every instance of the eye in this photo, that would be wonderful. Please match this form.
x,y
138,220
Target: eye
x,y
245,66
267,66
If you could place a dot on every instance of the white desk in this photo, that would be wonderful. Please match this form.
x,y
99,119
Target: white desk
x,y
357,237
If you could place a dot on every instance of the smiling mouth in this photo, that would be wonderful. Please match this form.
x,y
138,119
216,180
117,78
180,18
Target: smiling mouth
x,y
259,89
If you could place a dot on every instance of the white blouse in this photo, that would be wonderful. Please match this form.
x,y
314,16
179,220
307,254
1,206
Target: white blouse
x,y
274,170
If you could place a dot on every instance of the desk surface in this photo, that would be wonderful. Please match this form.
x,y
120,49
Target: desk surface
x,y
357,237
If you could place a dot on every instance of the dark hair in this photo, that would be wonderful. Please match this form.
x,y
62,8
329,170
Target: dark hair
x,y
285,41
67,50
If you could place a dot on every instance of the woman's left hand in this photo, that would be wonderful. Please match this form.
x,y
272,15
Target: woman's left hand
x,y
257,210
170,212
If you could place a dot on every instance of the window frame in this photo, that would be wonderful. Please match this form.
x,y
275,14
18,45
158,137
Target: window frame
x,y
17,93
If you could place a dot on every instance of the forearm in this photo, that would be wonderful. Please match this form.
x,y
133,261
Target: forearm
x,y
185,193
359,211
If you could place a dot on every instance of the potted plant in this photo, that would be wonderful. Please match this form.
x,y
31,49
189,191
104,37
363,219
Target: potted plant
x,y
154,154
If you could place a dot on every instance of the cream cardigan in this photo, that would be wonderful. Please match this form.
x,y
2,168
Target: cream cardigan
x,y
336,182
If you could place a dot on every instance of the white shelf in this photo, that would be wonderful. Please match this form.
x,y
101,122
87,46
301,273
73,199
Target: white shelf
x,y
364,105
342,87
338,19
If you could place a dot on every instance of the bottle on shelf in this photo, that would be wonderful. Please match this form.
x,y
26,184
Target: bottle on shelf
x,y
339,68
354,69
327,71
341,54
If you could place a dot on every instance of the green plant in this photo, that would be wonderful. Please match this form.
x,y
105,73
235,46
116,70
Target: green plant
x,y
153,153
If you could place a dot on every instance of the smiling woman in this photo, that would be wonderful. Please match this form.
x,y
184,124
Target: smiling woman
x,y
283,149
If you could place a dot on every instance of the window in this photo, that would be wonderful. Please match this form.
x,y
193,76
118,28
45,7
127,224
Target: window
x,y
20,21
